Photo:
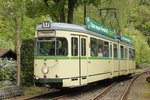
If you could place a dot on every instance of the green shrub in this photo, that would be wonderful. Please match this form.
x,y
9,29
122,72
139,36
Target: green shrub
x,y
27,60
7,72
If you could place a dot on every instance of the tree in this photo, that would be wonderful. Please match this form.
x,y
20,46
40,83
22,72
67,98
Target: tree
x,y
117,12
140,18
18,17
71,6
61,9
57,8
12,14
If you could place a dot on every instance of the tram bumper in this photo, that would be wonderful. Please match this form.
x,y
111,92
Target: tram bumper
x,y
52,82
48,80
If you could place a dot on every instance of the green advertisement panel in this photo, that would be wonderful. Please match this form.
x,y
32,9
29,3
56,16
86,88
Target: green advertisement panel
x,y
94,26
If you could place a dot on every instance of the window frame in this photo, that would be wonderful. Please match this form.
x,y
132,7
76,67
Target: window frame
x,y
74,46
83,47
106,49
49,39
115,47
122,52
93,51
100,47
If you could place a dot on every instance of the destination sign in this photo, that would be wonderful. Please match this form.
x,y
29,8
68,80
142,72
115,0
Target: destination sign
x,y
46,33
99,28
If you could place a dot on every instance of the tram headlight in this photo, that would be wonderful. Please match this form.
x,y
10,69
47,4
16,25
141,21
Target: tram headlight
x,y
45,70
37,77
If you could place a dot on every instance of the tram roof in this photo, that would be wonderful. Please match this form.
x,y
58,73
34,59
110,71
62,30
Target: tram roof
x,y
73,27
63,26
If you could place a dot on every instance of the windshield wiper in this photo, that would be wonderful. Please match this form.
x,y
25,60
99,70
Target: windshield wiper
x,y
42,51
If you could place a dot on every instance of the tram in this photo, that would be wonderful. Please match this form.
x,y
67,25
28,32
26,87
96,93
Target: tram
x,y
68,55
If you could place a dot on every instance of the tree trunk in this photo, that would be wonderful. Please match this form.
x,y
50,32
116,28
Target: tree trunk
x,y
84,11
17,31
61,5
71,6
19,8
62,12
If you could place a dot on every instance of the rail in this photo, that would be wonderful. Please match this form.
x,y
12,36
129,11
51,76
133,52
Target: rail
x,y
126,92
104,91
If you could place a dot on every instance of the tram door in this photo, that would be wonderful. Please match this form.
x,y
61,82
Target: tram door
x,y
81,42
119,59
110,55
116,64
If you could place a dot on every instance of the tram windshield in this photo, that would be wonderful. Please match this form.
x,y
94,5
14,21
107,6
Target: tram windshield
x,y
48,46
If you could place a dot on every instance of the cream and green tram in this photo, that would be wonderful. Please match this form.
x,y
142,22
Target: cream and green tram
x,y
68,55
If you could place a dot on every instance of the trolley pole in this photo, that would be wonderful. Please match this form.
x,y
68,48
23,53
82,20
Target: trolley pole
x,y
84,11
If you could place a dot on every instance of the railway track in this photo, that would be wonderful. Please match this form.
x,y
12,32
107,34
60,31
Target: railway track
x,y
126,92
76,93
54,94
105,94
121,88
112,92
97,97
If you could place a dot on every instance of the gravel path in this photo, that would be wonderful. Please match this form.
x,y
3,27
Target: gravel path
x,y
140,89
116,92
86,94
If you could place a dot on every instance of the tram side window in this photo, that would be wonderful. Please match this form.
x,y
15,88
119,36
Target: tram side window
x,y
106,49
110,50
62,46
83,47
100,48
115,51
122,51
74,46
93,47
126,53
131,53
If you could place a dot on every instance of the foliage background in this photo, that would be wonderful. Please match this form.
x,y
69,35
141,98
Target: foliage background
x,y
132,17
7,72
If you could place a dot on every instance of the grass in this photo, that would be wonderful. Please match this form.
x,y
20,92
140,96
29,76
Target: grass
x,y
34,90
146,93
1,84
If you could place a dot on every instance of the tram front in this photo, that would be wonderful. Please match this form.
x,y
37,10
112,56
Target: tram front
x,y
50,50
